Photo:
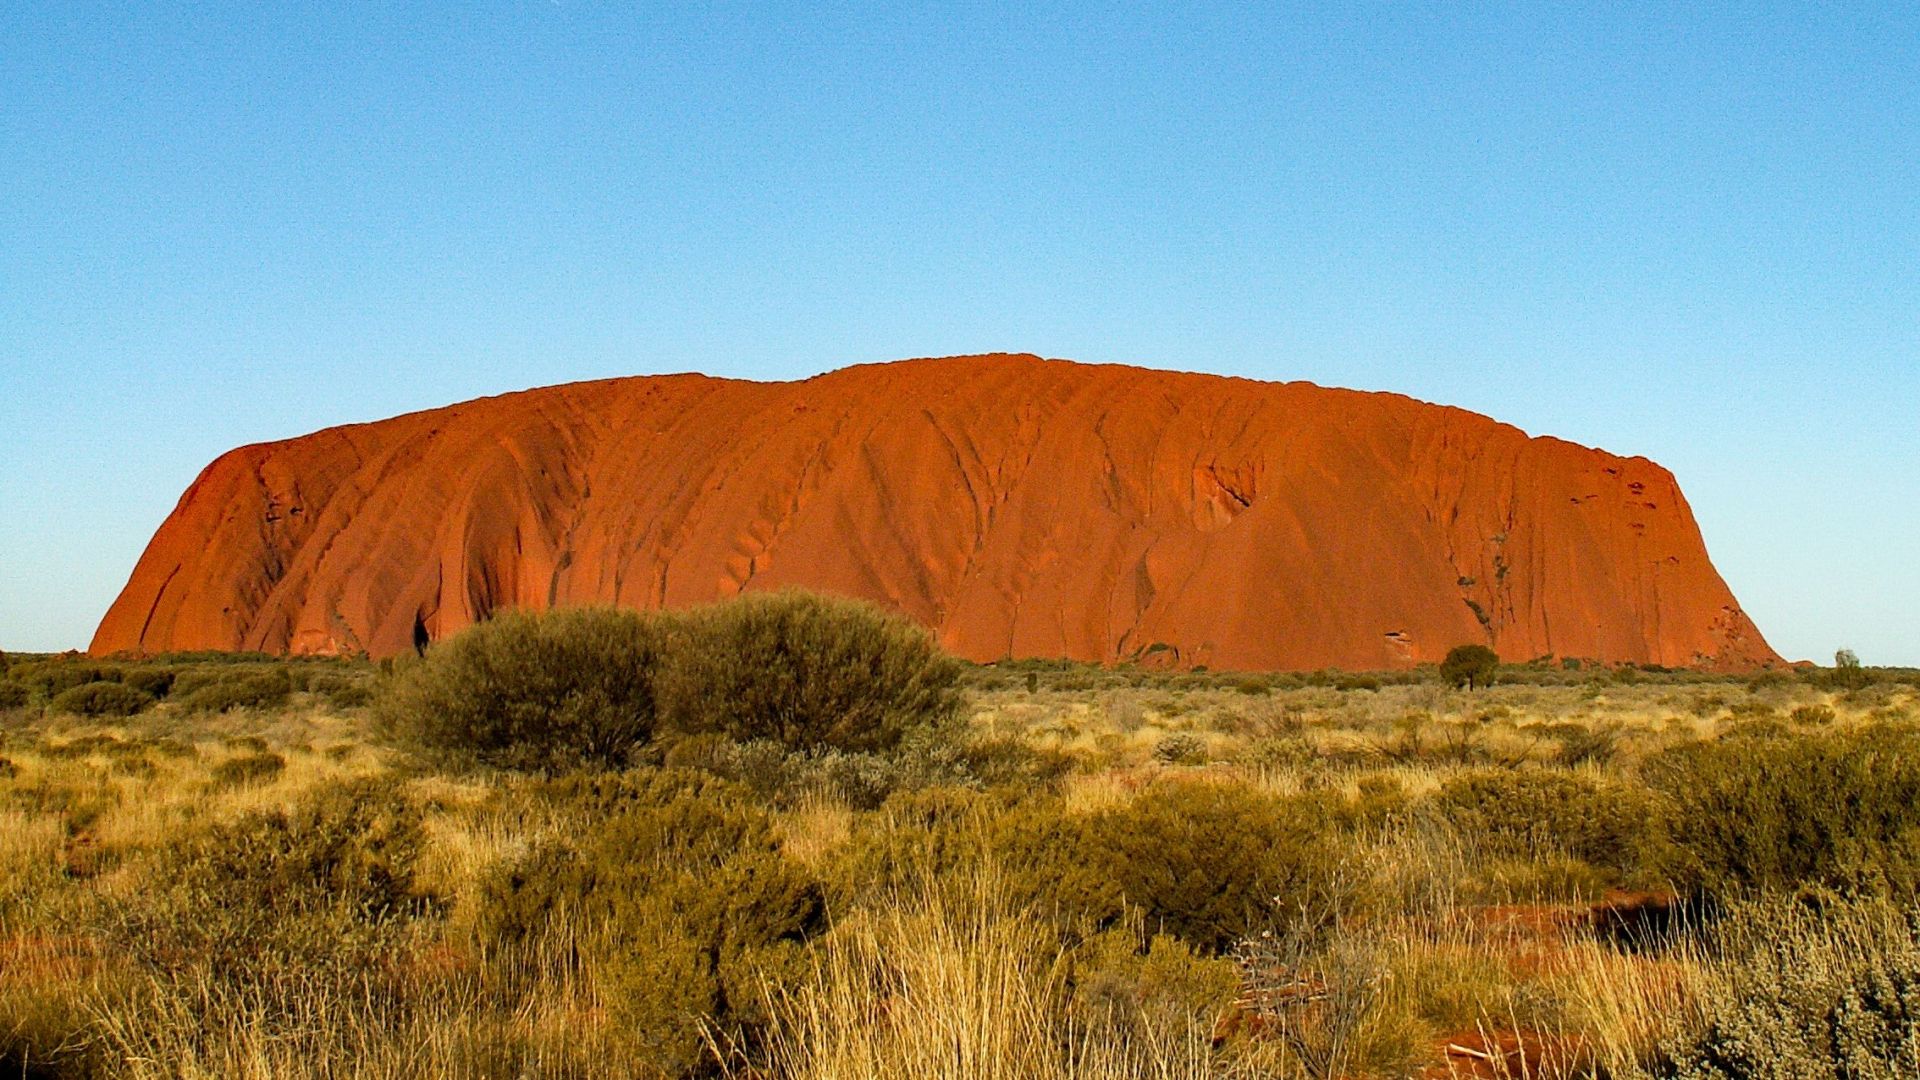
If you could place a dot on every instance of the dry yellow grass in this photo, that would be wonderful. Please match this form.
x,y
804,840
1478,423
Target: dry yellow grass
x,y
815,829
947,980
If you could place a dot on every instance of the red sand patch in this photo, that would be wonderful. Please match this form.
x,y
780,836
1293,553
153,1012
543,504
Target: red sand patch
x,y
1507,1055
33,961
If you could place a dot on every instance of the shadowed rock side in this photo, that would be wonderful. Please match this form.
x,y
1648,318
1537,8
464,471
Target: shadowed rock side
x,y
1019,506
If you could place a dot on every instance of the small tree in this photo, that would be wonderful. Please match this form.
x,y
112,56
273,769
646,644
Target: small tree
x,y
1471,666
1847,672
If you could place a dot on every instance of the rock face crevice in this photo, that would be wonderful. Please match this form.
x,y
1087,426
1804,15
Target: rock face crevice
x,y
1017,506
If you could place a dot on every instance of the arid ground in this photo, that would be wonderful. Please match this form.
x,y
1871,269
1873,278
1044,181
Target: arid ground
x,y
1088,872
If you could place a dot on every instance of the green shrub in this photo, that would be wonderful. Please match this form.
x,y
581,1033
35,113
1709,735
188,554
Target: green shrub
x,y
930,755
1812,715
155,681
13,695
1207,862
51,678
1211,862
285,894
1278,752
1772,810
936,754
83,746
342,691
536,691
1180,749
808,672
1148,988
783,777
222,690
1057,864
100,699
1585,742
696,911
860,780
1536,813
916,837
520,897
355,847
763,766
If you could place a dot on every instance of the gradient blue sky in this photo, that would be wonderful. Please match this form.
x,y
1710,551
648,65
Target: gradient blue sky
x,y
1690,236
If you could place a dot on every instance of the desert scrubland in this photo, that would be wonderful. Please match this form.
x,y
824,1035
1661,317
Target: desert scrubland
x,y
244,866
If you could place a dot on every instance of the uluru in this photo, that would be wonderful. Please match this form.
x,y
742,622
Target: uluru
x,y
1017,506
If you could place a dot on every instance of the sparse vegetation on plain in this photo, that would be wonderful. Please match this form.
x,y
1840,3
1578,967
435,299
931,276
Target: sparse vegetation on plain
x,y
519,857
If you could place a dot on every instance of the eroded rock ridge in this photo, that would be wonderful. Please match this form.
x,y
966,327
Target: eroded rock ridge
x,y
1018,506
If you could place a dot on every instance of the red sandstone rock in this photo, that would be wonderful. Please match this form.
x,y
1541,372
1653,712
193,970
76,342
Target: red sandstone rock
x,y
1018,506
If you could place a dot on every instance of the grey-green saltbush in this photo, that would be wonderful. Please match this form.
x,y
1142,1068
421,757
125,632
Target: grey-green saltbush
x,y
1774,808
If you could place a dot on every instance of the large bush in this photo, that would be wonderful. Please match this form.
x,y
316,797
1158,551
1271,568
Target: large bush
x,y
1804,992
157,681
1537,813
594,686
283,893
1213,862
1207,862
1763,811
694,913
226,688
807,671
533,691
101,699
53,677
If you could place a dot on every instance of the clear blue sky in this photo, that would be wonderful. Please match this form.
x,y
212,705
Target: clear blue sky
x,y
1690,236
